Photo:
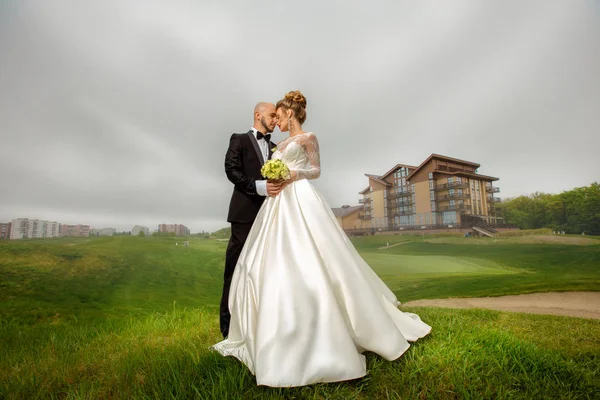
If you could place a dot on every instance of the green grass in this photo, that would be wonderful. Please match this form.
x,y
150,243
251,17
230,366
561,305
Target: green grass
x,y
462,267
416,266
111,277
129,317
470,353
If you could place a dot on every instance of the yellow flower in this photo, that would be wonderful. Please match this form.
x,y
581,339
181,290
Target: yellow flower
x,y
275,170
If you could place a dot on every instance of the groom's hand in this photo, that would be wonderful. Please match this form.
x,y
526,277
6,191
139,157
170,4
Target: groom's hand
x,y
274,187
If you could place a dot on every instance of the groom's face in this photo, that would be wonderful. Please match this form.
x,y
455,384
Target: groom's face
x,y
268,117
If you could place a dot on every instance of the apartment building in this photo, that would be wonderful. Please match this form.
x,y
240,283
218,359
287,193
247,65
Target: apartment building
x,y
177,229
108,231
24,228
5,230
75,230
137,229
441,192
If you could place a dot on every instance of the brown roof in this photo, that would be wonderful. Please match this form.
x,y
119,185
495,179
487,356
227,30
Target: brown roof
x,y
346,210
472,174
377,178
441,157
365,190
394,169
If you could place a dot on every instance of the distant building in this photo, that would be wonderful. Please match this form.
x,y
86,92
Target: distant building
x,y
102,231
24,228
137,229
349,217
5,230
107,231
75,230
177,229
441,192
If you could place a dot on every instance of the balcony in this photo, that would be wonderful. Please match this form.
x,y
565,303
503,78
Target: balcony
x,y
446,186
365,200
364,216
492,199
492,189
400,203
398,195
452,196
402,212
457,207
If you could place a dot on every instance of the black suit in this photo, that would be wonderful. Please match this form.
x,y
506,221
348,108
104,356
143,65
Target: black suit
x,y
243,162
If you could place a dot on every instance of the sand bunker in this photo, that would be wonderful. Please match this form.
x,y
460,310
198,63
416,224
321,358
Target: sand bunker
x,y
572,304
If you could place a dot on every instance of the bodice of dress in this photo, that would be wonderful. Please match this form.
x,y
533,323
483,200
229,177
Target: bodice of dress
x,y
301,154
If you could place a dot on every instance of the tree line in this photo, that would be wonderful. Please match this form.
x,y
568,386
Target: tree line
x,y
574,211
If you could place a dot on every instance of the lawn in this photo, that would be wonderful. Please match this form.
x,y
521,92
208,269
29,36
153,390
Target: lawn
x,y
440,267
130,317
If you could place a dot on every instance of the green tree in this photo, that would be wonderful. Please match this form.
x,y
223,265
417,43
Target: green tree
x,y
572,211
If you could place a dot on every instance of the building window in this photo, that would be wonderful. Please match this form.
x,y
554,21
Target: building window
x,y
431,175
431,195
451,192
449,218
451,179
452,204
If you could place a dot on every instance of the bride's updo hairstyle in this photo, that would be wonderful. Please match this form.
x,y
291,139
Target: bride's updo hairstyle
x,y
296,102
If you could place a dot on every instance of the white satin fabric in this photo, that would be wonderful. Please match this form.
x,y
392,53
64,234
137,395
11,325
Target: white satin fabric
x,y
304,304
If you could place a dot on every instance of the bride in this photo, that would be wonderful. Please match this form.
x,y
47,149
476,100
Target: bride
x,y
304,304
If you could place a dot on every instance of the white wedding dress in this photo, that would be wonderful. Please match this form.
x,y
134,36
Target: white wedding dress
x,y
304,304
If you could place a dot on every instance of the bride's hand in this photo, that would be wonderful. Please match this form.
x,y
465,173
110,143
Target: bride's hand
x,y
274,187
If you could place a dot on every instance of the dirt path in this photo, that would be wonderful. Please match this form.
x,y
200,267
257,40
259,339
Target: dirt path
x,y
572,304
393,245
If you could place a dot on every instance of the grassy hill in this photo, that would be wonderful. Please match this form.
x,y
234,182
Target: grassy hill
x,y
224,233
100,278
126,317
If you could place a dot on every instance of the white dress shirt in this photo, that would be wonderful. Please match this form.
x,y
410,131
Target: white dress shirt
x,y
261,185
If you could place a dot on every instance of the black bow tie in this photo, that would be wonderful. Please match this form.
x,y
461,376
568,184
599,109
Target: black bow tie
x,y
259,136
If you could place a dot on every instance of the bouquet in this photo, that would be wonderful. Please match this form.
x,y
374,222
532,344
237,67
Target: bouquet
x,y
275,170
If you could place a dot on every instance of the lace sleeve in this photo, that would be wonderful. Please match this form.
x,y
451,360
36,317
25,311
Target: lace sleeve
x,y
311,146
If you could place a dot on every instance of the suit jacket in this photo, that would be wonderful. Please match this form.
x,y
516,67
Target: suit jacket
x,y
243,162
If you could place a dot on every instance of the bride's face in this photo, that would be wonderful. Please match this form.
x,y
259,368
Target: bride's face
x,y
282,120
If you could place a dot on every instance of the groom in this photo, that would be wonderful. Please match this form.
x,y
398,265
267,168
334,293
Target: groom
x,y
245,157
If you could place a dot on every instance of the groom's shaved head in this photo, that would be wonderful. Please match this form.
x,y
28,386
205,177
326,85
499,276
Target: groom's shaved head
x,y
260,107
265,117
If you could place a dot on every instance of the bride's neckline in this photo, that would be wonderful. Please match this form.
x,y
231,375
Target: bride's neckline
x,y
299,134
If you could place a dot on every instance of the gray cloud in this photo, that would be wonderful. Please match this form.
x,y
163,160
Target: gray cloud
x,y
118,113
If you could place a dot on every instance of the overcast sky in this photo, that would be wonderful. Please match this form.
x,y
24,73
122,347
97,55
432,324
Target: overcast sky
x,y
115,113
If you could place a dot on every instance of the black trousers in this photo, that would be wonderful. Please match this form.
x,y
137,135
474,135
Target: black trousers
x,y
239,234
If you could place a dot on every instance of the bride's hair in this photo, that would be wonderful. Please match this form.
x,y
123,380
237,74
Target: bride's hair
x,y
296,102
